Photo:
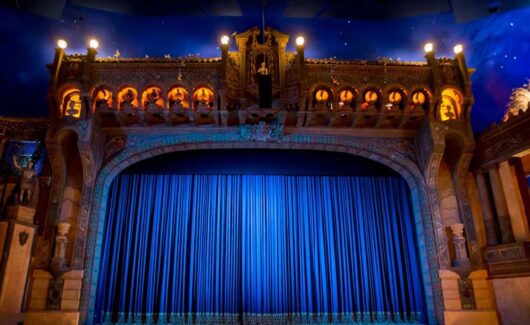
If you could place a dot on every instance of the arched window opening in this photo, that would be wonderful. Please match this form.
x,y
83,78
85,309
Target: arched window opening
x,y
178,97
152,99
347,98
203,97
102,98
128,98
371,99
396,99
71,104
451,106
420,100
322,98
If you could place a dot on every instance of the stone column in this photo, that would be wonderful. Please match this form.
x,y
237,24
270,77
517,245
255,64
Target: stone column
x,y
282,43
16,242
72,281
500,205
514,202
522,182
39,289
459,242
59,258
242,63
487,214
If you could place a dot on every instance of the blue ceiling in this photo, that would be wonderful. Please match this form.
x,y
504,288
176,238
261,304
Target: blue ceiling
x,y
496,37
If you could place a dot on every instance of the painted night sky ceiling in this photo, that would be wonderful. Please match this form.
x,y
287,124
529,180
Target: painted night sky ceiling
x,y
495,35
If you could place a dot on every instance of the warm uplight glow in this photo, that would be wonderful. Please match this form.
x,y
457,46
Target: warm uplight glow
x,y
370,97
322,95
300,41
395,97
451,105
418,98
61,44
71,104
203,96
346,96
225,39
178,97
94,43
428,47
458,48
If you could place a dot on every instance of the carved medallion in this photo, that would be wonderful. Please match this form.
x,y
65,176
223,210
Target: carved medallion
x,y
23,237
261,132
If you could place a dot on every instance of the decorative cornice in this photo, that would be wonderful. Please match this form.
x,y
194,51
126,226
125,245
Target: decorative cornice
x,y
388,62
16,128
157,60
503,141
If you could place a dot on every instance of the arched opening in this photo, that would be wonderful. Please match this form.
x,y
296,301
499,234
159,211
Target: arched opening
x,y
371,99
203,98
152,98
178,97
451,105
322,98
324,188
347,97
127,99
102,98
396,99
73,185
71,104
421,99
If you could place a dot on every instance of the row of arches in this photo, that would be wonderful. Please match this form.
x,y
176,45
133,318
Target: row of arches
x,y
153,97
327,97
129,98
322,97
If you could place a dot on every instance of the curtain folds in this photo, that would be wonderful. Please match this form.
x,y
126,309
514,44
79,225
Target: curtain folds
x,y
245,248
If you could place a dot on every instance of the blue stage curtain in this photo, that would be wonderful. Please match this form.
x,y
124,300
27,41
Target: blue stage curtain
x,y
238,248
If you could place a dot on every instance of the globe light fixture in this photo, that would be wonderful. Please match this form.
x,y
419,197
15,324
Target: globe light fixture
x,y
62,44
93,44
428,47
300,41
225,39
458,48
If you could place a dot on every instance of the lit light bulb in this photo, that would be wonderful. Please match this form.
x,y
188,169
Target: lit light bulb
x,y
300,40
93,43
458,48
225,39
428,47
61,44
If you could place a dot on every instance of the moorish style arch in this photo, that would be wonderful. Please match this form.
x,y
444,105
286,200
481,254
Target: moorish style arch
x,y
383,151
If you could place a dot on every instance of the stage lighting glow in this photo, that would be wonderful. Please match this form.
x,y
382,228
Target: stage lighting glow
x,y
300,41
62,44
428,47
94,44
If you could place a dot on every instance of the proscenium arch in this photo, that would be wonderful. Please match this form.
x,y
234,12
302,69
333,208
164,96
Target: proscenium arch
x,y
405,167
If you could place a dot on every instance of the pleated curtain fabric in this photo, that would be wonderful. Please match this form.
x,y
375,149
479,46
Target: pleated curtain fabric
x,y
245,248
